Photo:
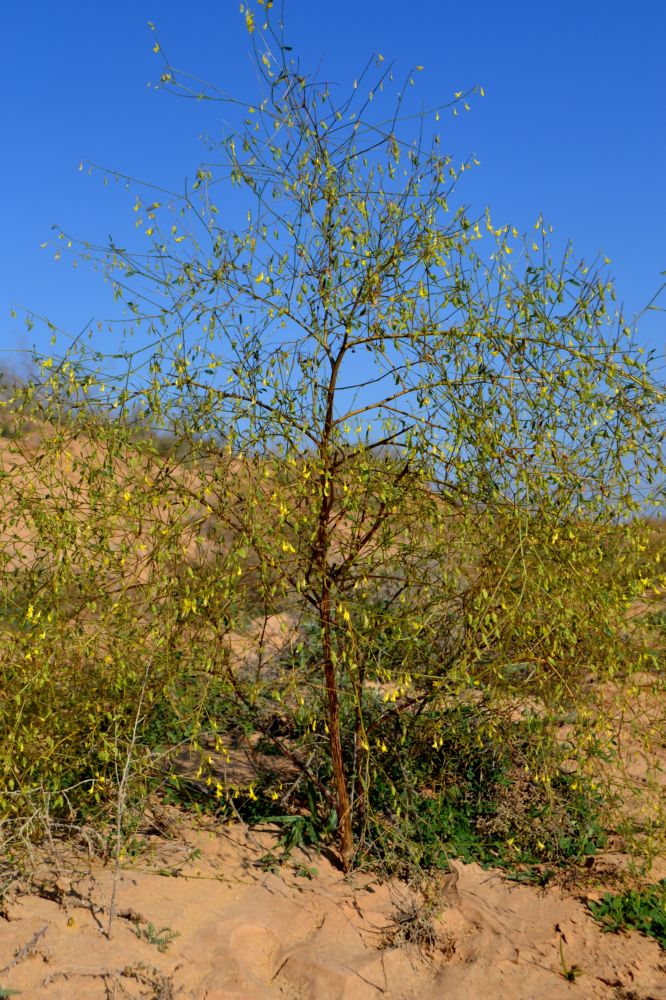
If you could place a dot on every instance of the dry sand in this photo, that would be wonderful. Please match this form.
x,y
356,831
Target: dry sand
x,y
247,934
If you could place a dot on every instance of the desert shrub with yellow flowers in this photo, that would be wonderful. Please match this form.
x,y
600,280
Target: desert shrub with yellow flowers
x,y
356,530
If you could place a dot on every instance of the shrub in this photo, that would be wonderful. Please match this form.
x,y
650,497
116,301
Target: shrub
x,y
383,427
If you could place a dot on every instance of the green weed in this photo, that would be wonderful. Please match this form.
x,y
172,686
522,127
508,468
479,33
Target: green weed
x,y
643,910
161,938
569,972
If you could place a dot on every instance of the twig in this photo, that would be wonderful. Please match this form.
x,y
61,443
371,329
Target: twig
x,y
25,951
122,796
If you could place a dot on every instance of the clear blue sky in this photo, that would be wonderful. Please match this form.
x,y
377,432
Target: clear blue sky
x,y
573,123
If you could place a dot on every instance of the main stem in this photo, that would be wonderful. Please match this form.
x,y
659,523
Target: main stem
x,y
322,545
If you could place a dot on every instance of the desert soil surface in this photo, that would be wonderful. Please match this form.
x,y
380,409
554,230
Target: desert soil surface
x,y
197,917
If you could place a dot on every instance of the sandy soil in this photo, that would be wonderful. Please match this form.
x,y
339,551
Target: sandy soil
x,y
243,932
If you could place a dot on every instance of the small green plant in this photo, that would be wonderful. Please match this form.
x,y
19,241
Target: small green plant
x,y
301,831
308,829
8,993
569,972
161,938
643,910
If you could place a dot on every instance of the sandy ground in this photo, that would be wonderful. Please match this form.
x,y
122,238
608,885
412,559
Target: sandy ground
x,y
242,933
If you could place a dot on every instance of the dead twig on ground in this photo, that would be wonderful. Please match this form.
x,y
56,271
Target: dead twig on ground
x,y
25,950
